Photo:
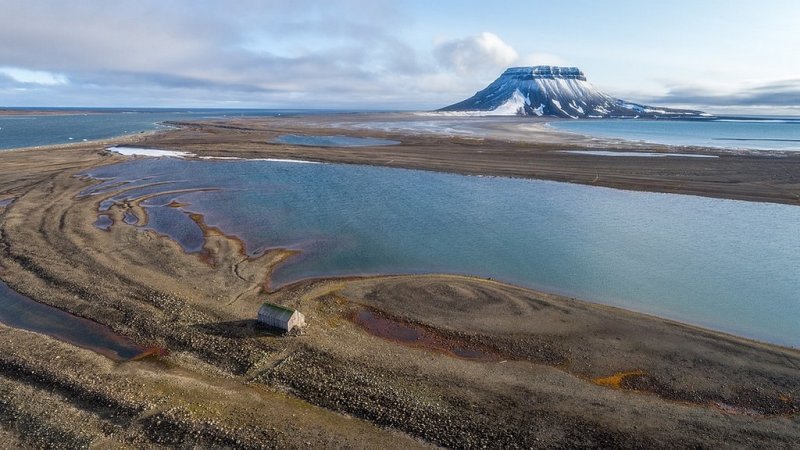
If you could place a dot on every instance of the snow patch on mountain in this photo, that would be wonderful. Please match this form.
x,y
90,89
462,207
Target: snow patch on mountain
x,y
559,91
514,106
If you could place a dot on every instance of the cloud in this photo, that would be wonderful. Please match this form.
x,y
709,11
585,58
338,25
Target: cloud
x,y
281,53
482,52
781,93
265,53
25,76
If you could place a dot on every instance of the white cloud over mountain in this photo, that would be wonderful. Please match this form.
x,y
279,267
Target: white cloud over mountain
x,y
482,52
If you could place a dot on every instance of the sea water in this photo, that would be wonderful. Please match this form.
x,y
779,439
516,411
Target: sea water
x,y
724,264
85,125
758,133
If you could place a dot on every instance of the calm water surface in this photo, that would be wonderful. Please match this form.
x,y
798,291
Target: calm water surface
x,y
780,133
19,311
724,264
29,131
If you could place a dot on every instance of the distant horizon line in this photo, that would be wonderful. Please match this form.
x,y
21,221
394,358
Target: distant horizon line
x,y
332,110
253,108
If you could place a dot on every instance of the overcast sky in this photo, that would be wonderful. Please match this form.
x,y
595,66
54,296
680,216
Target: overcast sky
x,y
721,56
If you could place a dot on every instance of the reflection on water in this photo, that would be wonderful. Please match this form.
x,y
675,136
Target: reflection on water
x,y
19,311
725,264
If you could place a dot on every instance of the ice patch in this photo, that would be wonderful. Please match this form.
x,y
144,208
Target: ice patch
x,y
158,153
153,152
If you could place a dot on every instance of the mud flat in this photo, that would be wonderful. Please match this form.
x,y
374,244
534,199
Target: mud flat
x,y
466,362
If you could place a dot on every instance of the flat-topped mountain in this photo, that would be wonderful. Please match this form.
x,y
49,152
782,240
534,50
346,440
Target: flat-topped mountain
x,y
556,91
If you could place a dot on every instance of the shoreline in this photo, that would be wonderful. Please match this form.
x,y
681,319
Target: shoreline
x,y
114,140
208,231
133,205
708,148
227,382
751,176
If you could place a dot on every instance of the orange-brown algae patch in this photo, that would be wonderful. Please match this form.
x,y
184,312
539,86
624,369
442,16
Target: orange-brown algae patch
x,y
615,381
151,351
414,335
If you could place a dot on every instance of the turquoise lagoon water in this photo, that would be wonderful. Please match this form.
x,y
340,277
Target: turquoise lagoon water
x,y
724,264
759,133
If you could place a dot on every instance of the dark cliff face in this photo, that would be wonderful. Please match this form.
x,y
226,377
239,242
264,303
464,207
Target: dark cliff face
x,y
558,92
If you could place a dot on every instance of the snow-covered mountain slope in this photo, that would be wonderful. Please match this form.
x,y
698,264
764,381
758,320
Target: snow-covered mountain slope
x,y
555,91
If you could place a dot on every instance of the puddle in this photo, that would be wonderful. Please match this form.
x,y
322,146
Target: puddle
x,y
130,218
18,311
103,222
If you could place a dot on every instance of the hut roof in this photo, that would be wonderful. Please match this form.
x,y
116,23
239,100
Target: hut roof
x,y
275,311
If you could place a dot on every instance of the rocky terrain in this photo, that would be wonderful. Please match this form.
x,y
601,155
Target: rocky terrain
x,y
394,361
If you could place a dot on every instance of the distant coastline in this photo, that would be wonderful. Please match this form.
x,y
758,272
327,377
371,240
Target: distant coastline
x,y
48,112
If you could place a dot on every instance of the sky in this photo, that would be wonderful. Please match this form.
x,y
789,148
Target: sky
x,y
720,56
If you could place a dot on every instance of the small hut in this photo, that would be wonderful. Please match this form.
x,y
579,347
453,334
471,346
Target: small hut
x,y
279,317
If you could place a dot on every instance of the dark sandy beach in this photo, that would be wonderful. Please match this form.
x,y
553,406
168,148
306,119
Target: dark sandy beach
x,y
492,365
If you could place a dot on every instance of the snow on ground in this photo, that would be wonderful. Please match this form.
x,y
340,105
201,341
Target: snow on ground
x,y
575,106
158,153
557,104
512,107
154,152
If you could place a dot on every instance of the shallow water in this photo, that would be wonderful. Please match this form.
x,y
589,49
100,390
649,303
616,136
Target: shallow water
x,y
19,311
333,141
104,222
103,123
637,154
736,133
724,264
